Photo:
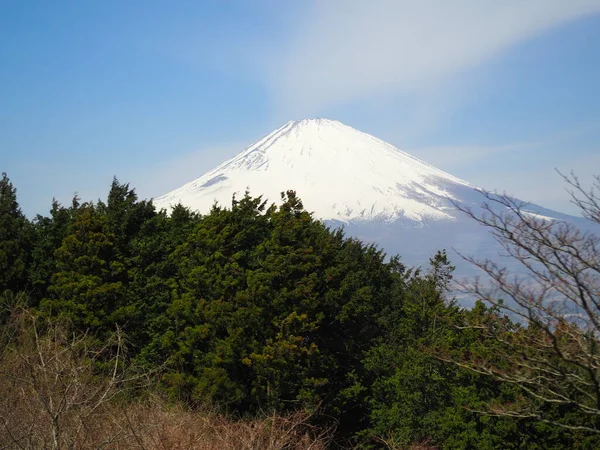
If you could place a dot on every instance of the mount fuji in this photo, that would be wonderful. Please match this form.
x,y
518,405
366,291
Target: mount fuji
x,y
348,178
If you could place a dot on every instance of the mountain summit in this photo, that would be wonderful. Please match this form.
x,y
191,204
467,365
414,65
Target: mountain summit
x,y
339,173
379,193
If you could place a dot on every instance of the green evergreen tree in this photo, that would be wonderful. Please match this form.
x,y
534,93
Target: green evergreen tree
x,y
15,240
258,307
88,285
48,234
125,216
265,301
152,277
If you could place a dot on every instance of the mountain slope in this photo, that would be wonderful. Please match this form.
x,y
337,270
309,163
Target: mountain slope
x,y
345,177
340,173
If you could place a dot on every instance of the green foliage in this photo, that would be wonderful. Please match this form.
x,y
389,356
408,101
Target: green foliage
x,y
261,307
264,302
87,286
48,234
416,396
15,240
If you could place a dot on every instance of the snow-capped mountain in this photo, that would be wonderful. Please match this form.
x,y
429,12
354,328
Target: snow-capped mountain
x,y
339,172
346,177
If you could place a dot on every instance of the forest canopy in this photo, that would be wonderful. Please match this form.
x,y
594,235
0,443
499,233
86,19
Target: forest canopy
x,y
258,307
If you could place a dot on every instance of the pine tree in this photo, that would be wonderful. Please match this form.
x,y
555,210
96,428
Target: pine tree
x,y
15,240
125,215
48,234
87,286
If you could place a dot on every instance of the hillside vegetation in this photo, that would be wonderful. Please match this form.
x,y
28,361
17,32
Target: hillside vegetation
x,y
253,326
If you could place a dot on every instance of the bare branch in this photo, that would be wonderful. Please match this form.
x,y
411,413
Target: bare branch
x,y
554,356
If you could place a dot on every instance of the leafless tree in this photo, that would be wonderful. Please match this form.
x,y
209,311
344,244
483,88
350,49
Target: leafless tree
x,y
550,349
49,385
54,396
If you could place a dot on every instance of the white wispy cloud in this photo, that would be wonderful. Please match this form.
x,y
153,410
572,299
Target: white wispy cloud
x,y
350,50
335,52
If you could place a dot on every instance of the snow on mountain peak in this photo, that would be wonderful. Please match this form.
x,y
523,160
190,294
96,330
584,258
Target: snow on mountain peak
x,y
339,173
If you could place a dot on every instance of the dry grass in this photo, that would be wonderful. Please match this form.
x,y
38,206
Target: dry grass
x,y
50,398
154,425
150,427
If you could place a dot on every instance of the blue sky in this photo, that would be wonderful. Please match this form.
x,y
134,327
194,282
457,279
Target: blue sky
x,y
157,92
